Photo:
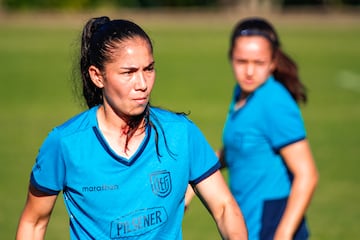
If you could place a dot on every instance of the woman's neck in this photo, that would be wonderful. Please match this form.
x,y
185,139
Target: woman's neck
x,y
241,101
122,135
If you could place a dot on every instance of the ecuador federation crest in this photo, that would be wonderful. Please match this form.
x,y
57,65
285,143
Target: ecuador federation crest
x,y
161,183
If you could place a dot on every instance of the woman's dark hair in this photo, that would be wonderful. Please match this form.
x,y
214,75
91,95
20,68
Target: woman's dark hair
x,y
286,70
100,37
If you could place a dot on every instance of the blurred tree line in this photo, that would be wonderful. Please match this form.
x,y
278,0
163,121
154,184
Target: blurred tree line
x,y
88,4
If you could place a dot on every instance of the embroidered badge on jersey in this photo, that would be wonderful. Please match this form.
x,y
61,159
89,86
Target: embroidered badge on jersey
x,y
161,183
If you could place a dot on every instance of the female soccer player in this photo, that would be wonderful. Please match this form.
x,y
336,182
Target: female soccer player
x,y
124,166
271,169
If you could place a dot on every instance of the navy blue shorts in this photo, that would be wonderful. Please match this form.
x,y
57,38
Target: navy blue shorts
x,y
272,213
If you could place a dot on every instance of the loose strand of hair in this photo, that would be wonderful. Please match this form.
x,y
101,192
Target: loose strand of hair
x,y
133,124
172,154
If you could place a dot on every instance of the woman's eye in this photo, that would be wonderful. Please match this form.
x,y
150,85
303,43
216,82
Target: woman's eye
x,y
240,61
128,73
260,63
150,69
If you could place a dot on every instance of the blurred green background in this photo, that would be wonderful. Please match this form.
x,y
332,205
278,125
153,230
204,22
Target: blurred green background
x,y
38,51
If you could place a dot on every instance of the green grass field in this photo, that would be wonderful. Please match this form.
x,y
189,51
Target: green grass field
x,y
193,74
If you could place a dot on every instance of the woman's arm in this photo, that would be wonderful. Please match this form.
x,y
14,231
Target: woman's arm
x,y
36,214
217,198
190,192
300,162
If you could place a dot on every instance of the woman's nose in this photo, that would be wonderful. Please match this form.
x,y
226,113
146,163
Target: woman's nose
x,y
141,82
250,69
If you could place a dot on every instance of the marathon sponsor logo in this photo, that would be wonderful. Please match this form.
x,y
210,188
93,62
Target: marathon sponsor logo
x,y
138,223
100,188
161,183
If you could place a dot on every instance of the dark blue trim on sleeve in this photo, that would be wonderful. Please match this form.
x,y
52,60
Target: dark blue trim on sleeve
x,y
40,188
207,173
289,143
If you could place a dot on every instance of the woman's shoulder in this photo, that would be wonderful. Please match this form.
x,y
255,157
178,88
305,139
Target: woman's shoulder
x,y
171,120
78,122
274,91
165,115
175,123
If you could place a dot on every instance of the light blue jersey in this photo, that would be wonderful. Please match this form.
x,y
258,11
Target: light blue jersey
x,y
252,137
110,197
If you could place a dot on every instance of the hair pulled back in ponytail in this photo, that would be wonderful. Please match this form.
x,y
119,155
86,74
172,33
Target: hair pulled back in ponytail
x,y
286,70
91,93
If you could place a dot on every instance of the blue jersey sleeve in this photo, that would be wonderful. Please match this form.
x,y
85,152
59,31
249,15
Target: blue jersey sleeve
x,y
203,161
284,120
48,172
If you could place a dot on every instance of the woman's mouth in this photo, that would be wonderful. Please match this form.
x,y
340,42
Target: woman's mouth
x,y
141,100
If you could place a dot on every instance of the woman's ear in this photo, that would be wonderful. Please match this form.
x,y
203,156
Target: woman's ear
x,y
273,65
275,61
96,76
